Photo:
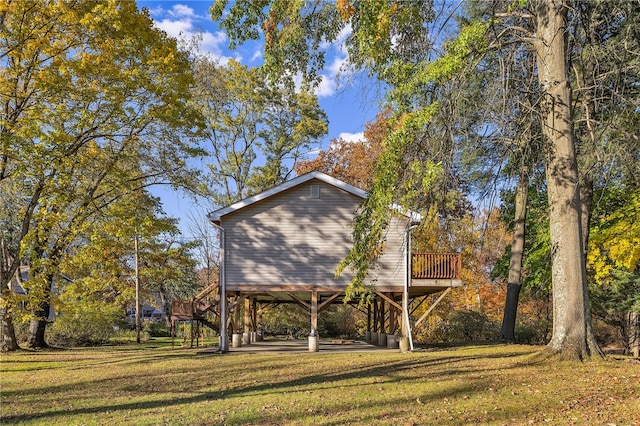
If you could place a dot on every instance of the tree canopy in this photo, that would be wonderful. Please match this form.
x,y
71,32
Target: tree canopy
x,y
94,106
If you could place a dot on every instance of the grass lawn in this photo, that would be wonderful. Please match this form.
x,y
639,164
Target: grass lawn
x,y
155,384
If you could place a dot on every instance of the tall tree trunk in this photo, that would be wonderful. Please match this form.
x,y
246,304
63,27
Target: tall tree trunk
x,y
507,331
570,321
9,341
586,185
38,324
586,203
8,269
166,306
633,336
37,328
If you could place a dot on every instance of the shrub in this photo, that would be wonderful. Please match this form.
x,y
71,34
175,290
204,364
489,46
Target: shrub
x,y
85,324
342,321
532,330
432,330
458,326
80,330
157,329
470,325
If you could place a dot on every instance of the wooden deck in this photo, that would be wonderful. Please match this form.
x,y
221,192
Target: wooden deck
x,y
436,266
431,272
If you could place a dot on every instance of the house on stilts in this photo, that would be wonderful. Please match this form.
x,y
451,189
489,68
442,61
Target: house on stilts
x,y
284,244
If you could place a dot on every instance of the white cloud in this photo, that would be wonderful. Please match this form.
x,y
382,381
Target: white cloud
x,y
351,137
338,65
312,153
327,87
175,29
182,11
212,42
182,23
342,37
156,11
257,55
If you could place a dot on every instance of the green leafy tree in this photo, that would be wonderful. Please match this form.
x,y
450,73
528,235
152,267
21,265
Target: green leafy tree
x,y
599,76
169,269
93,100
614,261
247,119
101,265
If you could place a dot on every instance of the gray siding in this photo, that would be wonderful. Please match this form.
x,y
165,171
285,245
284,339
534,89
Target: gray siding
x,y
389,269
292,239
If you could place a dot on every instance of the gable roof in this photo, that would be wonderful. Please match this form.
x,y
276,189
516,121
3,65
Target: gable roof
x,y
299,180
216,215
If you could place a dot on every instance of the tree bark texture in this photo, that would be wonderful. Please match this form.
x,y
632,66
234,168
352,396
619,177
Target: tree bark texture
x,y
570,321
8,269
633,325
37,329
507,331
9,341
166,306
38,324
586,204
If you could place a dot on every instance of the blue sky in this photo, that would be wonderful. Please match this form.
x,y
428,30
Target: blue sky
x,y
348,100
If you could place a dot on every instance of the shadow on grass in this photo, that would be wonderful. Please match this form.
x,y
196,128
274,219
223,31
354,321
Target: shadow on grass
x,y
83,362
387,372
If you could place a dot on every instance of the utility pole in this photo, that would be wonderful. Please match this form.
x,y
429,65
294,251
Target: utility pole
x,y
136,259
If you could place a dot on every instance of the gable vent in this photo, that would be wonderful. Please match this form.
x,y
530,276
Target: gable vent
x,y
315,191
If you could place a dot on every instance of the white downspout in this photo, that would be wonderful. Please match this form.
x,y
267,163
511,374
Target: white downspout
x,y
224,341
407,278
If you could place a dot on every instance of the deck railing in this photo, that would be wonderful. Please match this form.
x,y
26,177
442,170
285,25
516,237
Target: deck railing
x,y
436,266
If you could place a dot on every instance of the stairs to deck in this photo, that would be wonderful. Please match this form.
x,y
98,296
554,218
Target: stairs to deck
x,y
196,309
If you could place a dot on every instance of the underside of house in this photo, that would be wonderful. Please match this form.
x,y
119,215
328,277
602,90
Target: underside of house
x,y
391,312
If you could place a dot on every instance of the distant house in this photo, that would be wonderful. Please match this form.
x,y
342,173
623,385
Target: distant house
x,y
21,276
283,246
18,288
147,313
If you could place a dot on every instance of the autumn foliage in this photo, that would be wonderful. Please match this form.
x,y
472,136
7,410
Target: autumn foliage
x,y
472,311
351,162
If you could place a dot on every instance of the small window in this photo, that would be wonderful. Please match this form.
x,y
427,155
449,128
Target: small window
x,y
315,191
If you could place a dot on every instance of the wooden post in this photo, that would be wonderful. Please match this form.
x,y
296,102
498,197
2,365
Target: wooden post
x,y
634,334
259,323
236,318
405,315
375,315
381,311
246,334
392,316
254,314
247,315
314,310
313,336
